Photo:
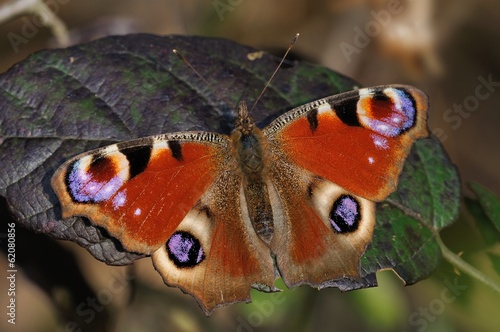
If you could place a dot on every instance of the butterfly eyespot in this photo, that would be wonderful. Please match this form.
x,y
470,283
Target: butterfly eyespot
x,y
86,185
389,112
345,214
185,250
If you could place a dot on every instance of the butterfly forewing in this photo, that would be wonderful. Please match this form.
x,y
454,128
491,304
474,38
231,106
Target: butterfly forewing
x,y
138,190
358,140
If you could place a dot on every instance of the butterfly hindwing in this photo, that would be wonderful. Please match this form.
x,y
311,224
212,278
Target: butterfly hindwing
x,y
323,229
232,259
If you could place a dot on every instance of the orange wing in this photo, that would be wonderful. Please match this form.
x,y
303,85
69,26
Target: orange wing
x,y
358,140
329,161
231,258
140,190
176,197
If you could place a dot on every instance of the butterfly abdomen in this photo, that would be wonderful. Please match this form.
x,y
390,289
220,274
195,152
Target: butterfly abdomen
x,y
248,144
259,209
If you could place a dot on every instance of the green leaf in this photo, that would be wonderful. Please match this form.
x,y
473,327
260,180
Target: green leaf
x,y
489,233
58,103
489,202
429,187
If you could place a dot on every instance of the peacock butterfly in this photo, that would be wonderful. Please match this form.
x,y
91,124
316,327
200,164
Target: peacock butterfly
x,y
222,214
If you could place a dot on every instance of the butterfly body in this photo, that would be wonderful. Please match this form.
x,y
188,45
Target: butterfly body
x,y
250,146
221,214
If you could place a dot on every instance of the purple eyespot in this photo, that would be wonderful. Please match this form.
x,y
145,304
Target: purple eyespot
x,y
184,249
345,214
85,188
406,105
393,112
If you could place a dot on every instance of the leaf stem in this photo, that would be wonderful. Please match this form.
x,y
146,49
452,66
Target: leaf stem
x,y
465,267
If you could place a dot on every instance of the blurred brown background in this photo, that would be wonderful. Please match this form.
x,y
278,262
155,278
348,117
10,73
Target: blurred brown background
x,y
449,49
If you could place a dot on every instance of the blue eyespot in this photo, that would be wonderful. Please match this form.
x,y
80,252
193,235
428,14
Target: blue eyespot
x,y
184,249
345,214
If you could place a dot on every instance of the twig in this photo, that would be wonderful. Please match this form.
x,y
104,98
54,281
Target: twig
x,y
37,7
465,267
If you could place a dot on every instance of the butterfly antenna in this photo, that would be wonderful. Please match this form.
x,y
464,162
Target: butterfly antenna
x,y
183,59
275,71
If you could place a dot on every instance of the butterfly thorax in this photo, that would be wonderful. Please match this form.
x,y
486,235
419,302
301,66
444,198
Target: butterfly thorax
x,y
248,142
